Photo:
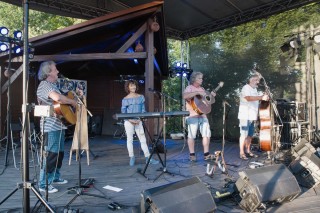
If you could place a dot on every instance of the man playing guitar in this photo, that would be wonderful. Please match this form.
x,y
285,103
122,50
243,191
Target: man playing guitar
x,y
47,94
196,120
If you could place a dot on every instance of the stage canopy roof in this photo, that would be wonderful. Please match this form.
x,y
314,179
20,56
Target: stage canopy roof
x,y
183,18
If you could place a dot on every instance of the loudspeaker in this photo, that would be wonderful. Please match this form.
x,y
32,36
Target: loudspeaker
x,y
189,195
306,165
271,183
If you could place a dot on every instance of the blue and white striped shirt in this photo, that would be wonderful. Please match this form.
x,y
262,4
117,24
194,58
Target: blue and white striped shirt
x,y
43,91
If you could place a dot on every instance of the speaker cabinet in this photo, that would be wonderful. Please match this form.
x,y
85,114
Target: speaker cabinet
x,y
189,195
270,183
306,165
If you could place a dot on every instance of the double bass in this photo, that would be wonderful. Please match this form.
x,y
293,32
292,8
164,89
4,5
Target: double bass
x,y
266,126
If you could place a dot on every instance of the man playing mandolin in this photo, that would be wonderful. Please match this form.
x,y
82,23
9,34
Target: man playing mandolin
x,y
197,120
47,94
248,114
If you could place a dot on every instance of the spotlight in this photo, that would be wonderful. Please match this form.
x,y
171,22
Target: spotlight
x,y
17,34
17,49
178,64
4,31
316,38
185,66
295,43
3,47
184,74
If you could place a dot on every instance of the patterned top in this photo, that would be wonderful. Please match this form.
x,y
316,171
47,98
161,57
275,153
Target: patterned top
x,y
133,105
50,123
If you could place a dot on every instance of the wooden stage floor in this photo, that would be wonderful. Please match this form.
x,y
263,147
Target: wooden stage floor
x,y
111,167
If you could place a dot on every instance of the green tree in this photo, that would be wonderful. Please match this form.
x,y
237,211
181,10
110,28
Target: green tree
x,y
11,16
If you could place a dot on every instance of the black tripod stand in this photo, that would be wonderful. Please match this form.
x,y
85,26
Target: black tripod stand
x,y
79,188
163,131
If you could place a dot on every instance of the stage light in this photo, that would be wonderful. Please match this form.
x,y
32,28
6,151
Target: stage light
x,y
184,74
3,47
17,34
4,31
178,64
289,54
17,49
141,81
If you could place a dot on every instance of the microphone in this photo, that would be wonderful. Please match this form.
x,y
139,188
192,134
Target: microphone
x,y
62,76
225,102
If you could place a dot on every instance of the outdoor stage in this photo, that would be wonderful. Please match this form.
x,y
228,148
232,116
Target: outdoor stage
x,y
111,167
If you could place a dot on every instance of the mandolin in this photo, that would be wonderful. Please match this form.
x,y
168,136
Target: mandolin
x,y
66,112
202,104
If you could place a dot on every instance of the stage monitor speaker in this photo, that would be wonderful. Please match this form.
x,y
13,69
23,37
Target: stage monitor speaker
x,y
271,183
189,195
306,165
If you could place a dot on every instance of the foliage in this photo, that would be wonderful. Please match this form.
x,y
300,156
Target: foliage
x,y
39,23
229,55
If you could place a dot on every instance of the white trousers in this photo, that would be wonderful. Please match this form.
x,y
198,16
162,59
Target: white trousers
x,y
138,129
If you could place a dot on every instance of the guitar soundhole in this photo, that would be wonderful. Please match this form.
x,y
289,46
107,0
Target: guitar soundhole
x,y
207,97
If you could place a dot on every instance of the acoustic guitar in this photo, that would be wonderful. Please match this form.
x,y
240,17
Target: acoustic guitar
x,y
66,112
202,104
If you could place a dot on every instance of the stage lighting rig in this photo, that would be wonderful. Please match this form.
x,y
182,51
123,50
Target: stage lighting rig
x,y
8,43
180,70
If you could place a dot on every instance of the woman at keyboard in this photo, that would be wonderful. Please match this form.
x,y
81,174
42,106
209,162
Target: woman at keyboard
x,y
134,103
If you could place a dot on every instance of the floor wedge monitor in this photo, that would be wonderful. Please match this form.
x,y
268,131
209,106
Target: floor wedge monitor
x,y
271,183
189,195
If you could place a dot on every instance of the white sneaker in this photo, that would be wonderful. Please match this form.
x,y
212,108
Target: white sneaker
x,y
51,189
60,181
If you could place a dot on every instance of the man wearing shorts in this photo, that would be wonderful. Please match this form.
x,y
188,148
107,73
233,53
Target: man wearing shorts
x,y
248,114
196,121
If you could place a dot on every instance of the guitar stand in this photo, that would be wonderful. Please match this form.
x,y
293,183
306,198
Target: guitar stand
x,y
220,163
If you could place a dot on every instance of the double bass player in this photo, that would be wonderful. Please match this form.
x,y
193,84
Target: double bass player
x,y
248,114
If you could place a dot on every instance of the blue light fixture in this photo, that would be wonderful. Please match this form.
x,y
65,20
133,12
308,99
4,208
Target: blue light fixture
x,y
17,34
17,49
3,47
4,31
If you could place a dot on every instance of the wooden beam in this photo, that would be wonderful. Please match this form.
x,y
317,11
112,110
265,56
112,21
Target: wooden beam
x,y
133,38
149,75
12,79
83,57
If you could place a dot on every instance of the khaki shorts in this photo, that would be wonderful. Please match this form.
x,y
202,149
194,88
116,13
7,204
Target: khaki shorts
x,y
198,123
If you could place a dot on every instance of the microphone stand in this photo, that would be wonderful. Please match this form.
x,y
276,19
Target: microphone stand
x,y
79,188
164,164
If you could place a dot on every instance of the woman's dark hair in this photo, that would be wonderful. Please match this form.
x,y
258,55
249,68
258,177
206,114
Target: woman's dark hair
x,y
128,82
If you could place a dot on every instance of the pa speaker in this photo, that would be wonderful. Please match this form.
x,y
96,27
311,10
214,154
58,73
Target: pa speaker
x,y
271,183
306,164
189,195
